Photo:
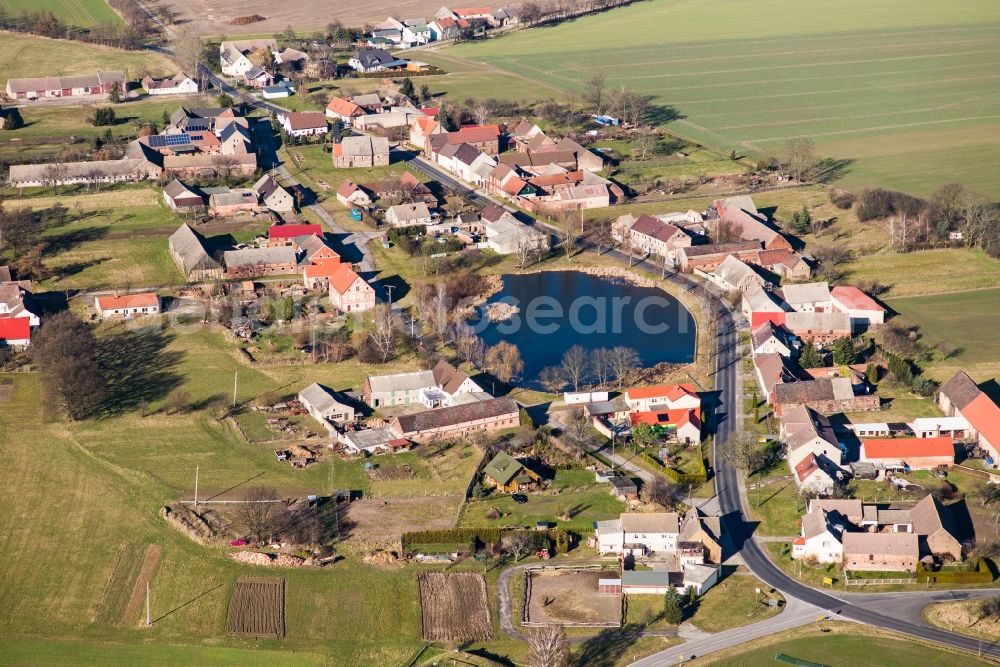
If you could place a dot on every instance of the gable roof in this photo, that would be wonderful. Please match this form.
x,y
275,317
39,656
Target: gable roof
x,y
742,212
984,416
721,248
140,300
808,391
343,278
305,120
342,107
502,468
735,272
650,522
887,544
294,231
961,390
448,377
175,189
805,293
647,225
15,328
361,146
672,392
189,245
321,398
929,517
903,448
803,425
258,256
454,415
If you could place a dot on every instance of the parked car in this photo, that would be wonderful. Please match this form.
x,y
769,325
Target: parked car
x,y
519,498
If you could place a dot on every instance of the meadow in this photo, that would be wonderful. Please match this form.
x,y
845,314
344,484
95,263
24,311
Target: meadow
x,y
30,55
905,92
81,13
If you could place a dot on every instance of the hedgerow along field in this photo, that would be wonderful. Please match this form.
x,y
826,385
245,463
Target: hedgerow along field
x,y
82,13
907,91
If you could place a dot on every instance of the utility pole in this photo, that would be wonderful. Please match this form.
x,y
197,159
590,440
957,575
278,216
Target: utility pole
x,y
389,288
236,375
149,619
196,486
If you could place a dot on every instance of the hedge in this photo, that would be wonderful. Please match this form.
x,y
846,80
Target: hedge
x,y
981,574
486,535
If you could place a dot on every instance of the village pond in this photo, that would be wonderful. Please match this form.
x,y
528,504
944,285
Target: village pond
x,y
551,311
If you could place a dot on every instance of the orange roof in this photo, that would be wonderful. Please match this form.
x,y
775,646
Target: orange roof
x,y
984,416
670,391
345,108
472,11
426,124
799,540
806,467
143,300
557,179
324,269
903,448
854,298
666,417
342,279
472,134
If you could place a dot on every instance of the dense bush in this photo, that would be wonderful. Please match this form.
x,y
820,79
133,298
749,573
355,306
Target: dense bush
x,y
485,535
842,199
979,573
878,203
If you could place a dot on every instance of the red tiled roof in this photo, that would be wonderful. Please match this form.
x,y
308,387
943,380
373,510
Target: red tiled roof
x,y
430,111
325,268
758,319
143,300
569,178
984,416
665,417
342,107
471,134
854,298
472,11
671,391
15,328
342,279
806,467
293,231
903,448
305,120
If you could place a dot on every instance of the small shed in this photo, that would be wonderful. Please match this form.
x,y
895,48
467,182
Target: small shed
x,y
623,488
609,586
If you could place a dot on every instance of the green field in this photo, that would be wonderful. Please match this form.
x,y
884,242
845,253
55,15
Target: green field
x,y
29,55
845,646
905,90
82,13
927,272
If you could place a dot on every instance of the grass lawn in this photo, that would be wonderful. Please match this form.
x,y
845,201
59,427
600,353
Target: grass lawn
x,y
49,652
30,55
894,89
82,13
775,503
842,644
734,602
585,505
927,272
963,324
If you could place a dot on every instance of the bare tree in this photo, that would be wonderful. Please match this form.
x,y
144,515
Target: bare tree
x,y
468,344
516,544
623,361
552,379
800,157
600,364
482,113
188,50
595,92
644,142
574,365
525,247
662,492
260,513
383,331
727,231
548,647
53,174
504,361
570,224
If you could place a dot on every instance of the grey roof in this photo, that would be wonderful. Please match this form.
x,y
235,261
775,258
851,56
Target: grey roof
x,y
650,522
698,573
370,57
467,153
806,293
888,544
370,437
175,189
645,578
321,398
455,415
401,382
416,211
960,390
189,245
259,256
364,146
233,197
734,272
266,186
59,82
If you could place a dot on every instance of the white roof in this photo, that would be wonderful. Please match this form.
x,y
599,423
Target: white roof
x,y
806,293
758,300
371,437
402,381
696,573
939,423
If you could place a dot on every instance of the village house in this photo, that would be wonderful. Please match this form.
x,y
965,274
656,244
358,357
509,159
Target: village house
x,y
732,275
408,215
706,531
179,84
909,453
772,369
440,386
827,395
179,197
770,338
15,332
255,262
880,552
372,60
785,263
650,235
343,110
290,56
189,251
741,213
234,55
484,137
663,397
961,397
349,293
273,196
638,534
508,235
820,328
863,310
99,84
127,306
508,475
491,414
813,453
821,536
351,194
328,407
757,304
16,303
303,123
708,257
316,275
935,526
232,202
682,425
364,151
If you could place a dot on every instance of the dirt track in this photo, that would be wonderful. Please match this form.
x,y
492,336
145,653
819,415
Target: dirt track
x,y
211,17
149,562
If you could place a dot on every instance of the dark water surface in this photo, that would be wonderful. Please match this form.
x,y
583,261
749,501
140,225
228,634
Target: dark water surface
x,y
559,309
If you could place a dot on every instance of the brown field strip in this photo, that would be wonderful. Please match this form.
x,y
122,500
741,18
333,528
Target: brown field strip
x,y
257,608
149,562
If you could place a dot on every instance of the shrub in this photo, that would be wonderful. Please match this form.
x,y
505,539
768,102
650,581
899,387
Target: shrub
x,y
842,199
981,574
485,535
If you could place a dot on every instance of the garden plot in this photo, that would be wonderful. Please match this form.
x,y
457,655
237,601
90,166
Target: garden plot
x,y
570,597
257,608
454,607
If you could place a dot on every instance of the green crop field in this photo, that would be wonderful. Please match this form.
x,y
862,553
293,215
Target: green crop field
x,y
30,55
82,13
907,91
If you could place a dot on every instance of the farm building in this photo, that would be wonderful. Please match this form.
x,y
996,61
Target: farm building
x,y
669,397
509,475
682,425
488,415
98,84
934,523
127,306
253,262
353,152
706,531
863,310
278,235
961,396
188,250
15,332
407,215
179,84
881,551
351,194
349,293
326,406
179,197
343,110
303,123
638,534
623,488
827,395
708,257
910,453
438,387
741,213
232,202
272,195
380,440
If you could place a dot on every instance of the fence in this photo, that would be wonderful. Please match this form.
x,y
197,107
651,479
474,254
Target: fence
x,y
525,616
879,582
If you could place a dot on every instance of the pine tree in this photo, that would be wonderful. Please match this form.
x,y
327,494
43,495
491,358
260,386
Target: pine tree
x,y
407,88
810,356
871,374
843,351
672,612
116,93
